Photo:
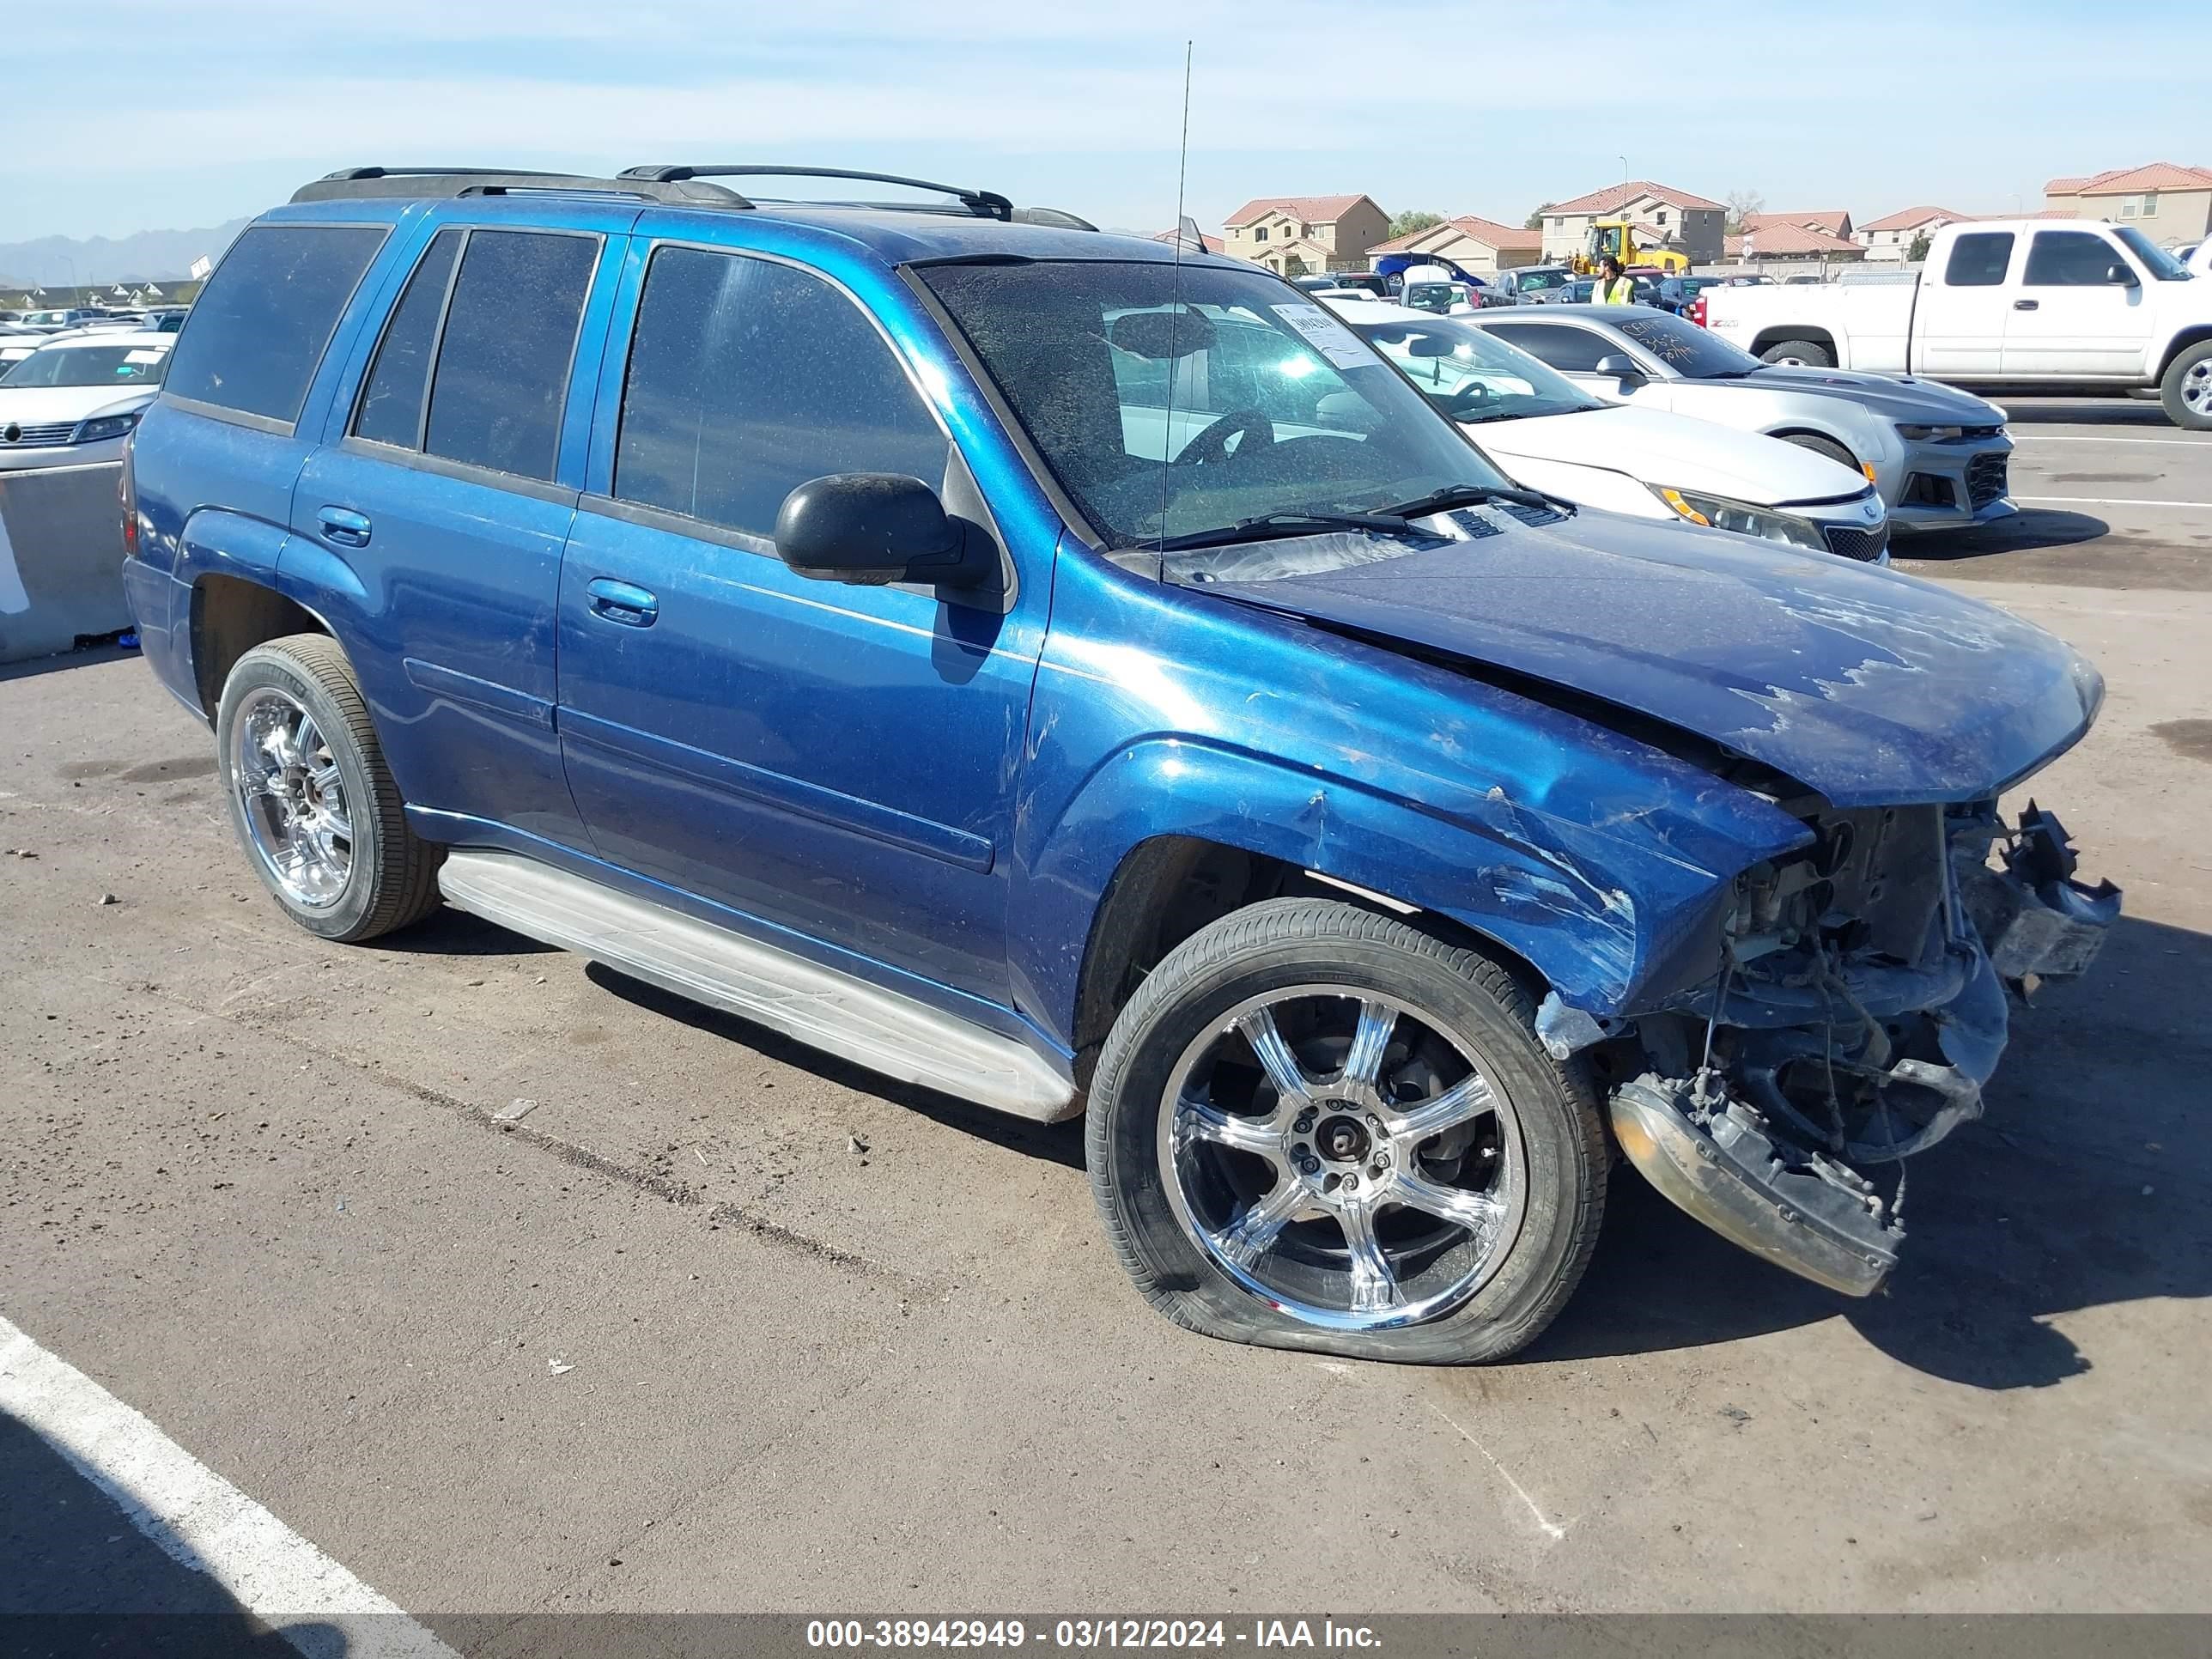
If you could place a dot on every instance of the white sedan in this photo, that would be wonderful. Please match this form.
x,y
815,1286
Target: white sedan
x,y
1545,432
74,400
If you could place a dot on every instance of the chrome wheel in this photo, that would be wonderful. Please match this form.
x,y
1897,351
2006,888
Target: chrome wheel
x,y
292,799
2197,387
1344,1155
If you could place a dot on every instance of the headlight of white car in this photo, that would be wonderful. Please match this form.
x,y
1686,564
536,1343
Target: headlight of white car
x,y
104,427
1719,513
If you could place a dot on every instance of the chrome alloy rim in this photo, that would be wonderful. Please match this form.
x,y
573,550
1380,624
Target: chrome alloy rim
x,y
2197,387
291,799
1347,1158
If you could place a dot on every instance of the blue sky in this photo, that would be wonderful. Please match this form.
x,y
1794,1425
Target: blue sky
x,y
169,113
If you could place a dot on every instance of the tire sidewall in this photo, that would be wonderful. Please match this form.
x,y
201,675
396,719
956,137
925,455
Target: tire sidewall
x,y
2170,389
265,667
1131,1082
1807,356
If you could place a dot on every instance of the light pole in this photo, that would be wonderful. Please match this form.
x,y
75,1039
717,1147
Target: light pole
x,y
1623,168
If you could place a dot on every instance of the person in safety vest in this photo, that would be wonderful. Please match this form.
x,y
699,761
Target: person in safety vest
x,y
1612,289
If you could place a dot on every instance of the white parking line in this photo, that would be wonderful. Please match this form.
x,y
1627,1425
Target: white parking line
x,y
2068,438
2112,501
195,1517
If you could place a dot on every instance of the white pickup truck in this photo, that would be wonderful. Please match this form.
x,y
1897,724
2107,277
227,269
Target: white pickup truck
x,y
2002,304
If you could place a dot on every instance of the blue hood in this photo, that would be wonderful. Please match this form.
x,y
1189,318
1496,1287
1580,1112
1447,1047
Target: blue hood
x,y
1873,687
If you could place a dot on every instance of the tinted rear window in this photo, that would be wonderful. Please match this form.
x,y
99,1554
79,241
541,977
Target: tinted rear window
x,y
1978,260
261,327
503,361
392,406
1572,350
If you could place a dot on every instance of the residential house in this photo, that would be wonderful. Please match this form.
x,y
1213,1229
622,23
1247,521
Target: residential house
x,y
1834,222
1662,215
1299,234
1892,236
2170,203
1474,243
1796,240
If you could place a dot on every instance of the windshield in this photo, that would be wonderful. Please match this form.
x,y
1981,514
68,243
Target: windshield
x,y
1471,375
1260,402
123,366
1431,296
1689,351
2160,263
1537,282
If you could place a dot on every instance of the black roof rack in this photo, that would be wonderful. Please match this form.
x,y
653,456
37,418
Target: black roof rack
x,y
350,183
675,185
984,203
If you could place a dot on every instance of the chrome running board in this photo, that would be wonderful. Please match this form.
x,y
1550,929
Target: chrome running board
x,y
824,1009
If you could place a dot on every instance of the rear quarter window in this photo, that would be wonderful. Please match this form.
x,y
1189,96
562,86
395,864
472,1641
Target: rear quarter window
x,y
1978,259
261,325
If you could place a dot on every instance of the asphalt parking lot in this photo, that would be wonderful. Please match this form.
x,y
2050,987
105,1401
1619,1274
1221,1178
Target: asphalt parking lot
x,y
718,1323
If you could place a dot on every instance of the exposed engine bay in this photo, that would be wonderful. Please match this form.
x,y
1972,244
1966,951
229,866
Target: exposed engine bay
x,y
1860,1003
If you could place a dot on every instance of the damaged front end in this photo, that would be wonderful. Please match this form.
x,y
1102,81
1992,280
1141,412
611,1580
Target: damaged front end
x,y
1859,1005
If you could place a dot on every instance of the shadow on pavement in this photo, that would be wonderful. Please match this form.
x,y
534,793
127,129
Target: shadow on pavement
x,y
1058,1143
84,659
2088,411
2030,527
451,933
2059,548
80,1579
2081,1188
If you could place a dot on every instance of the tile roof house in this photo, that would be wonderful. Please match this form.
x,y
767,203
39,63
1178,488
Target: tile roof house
x,y
1297,234
1693,224
1832,221
1777,236
1473,243
1892,236
2171,204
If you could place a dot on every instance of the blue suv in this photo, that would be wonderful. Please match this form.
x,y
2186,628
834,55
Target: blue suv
x,y
1078,674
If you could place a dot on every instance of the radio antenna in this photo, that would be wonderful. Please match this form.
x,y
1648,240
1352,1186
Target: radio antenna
x,y
1175,312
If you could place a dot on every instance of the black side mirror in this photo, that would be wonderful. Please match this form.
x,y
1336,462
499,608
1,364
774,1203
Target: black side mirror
x,y
873,528
1618,366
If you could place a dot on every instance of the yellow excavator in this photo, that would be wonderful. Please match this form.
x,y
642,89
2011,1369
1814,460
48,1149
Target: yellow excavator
x,y
1618,238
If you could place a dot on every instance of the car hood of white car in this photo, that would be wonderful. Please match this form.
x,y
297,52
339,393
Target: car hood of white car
x,y
1677,451
42,405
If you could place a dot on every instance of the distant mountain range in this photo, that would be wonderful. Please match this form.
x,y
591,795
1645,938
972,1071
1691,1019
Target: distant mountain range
x,y
147,256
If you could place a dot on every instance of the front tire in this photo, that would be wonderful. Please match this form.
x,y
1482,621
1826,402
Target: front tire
x,y
1798,354
2185,390
1316,1128
311,799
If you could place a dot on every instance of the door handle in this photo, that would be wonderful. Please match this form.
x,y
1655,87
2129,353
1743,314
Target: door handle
x,y
2026,305
623,602
344,526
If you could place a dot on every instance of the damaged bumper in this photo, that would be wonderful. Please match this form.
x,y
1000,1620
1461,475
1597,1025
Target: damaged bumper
x,y
1824,1048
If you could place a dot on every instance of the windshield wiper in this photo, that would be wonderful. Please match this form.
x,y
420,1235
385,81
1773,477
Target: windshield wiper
x,y
1452,495
1275,525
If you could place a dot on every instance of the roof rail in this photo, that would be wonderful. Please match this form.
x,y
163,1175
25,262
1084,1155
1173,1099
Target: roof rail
x,y
353,183
984,203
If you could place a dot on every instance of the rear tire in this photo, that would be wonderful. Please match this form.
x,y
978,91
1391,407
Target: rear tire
x,y
2185,390
1333,1215
312,803
1806,354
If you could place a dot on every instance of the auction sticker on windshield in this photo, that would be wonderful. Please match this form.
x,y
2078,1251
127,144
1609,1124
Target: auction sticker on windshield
x,y
1325,335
